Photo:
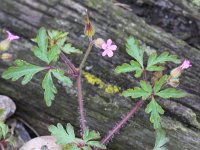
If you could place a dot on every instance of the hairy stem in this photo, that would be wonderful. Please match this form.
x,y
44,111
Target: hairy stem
x,y
80,101
68,63
86,55
122,122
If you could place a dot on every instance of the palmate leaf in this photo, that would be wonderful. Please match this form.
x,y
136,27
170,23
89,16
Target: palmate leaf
x,y
155,109
21,69
159,83
49,88
133,66
53,53
3,130
171,93
42,41
145,91
61,77
55,34
63,136
161,140
68,49
133,49
154,60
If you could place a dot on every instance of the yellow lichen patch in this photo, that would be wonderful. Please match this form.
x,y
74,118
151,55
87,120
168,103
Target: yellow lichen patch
x,y
111,89
93,80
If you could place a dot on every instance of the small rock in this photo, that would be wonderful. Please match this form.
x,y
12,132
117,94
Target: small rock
x,y
8,106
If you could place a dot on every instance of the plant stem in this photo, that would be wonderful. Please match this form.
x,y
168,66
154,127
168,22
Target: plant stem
x,y
68,63
86,55
80,101
122,122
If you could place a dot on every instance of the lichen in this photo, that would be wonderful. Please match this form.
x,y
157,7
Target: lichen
x,y
93,80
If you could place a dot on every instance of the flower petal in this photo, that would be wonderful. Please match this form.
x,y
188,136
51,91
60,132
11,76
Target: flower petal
x,y
113,47
110,53
109,42
104,53
104,46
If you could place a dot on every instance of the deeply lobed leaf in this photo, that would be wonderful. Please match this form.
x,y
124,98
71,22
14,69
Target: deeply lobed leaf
x,y
63,136
161,140
137,92
154,61
133,66
155,109
21,69
49,88
133,49
68,49
171,93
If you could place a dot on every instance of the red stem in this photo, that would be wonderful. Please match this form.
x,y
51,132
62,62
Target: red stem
x,y
68,63
80,101
122,122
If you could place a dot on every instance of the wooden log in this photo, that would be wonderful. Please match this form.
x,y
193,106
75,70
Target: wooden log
x,y
103,110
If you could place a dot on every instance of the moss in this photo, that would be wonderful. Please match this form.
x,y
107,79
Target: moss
x,y
93,80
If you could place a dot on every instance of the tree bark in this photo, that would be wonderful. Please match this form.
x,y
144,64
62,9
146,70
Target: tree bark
x,y
182,117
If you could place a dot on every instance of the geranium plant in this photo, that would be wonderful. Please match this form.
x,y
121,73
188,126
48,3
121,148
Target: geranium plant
x,y
52,45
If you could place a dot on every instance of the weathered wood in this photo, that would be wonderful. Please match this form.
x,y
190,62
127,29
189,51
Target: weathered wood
x,y
181,120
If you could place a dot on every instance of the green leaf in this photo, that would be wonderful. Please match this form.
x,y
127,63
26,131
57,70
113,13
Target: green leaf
x,y
87,148
133,49
68,49
164,57
61,77
146,86
155,68
171,93
3,130
145,91
90,135
53,53
63,136
96,144
49,89
136,93
42,41
56,34
161,140
21,69
159,83
2,111
133,66
155,109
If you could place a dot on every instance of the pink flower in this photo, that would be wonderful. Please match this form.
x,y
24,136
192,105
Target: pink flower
x,y
11,37
176,72
108,48
186,64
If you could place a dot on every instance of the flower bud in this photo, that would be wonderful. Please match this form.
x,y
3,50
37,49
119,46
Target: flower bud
x,y
6,57
4,45
99,42
173,82
176,72
89,29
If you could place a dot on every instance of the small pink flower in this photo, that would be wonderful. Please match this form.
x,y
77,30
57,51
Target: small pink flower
x,y
108,48
11,36
176,72
186,64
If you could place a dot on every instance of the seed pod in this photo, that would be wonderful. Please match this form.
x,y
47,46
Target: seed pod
x,y
99,42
